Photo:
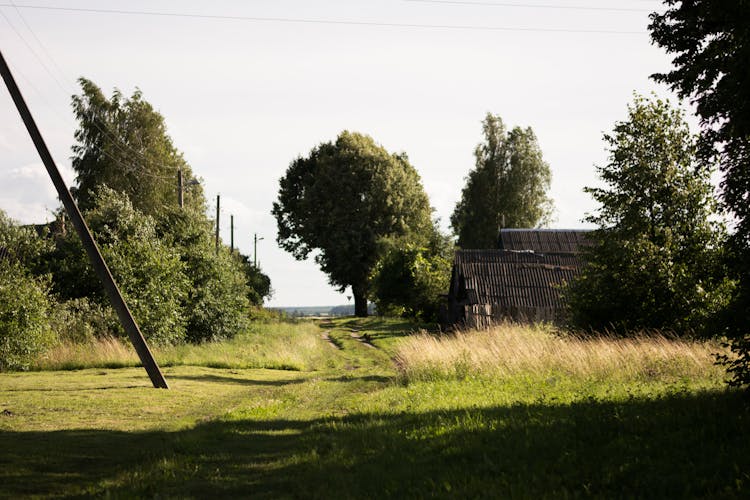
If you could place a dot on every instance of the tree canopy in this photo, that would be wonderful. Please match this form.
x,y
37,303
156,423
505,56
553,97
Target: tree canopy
x,y
655,257
508,186
710,42
123,143
340,200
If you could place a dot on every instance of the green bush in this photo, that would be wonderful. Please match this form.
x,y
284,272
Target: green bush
x,y
24,321
81,320
409,279
23,243
217,303
149,273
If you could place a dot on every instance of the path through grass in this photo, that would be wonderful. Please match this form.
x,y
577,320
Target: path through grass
x,y
350,428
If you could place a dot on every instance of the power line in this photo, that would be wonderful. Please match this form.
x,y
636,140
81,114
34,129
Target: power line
x,y
38,41
293,20
530,6
117,142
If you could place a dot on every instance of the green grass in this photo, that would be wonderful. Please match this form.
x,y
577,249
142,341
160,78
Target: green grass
x,y
348,425
281,346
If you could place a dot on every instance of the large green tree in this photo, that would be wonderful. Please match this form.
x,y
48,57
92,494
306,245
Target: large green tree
x,y
655,259
123,143
508,186
710,42
340,200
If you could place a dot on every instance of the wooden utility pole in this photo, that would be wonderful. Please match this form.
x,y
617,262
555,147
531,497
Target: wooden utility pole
x,y
218,204
95,257
231,234
180,189
255,249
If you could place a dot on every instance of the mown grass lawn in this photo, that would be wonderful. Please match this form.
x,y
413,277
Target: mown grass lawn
x,y
349,426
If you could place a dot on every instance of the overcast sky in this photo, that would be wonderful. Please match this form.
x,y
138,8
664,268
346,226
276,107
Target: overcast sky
x,y
247,86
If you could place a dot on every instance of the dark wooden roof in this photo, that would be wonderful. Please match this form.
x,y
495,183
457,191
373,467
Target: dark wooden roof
x,y
543,240
510,278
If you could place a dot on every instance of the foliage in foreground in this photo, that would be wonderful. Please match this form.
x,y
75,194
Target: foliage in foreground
x,y
176,284
656,257
710,42
218,297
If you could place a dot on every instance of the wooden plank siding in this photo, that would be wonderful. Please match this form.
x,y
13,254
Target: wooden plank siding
x,y
521,284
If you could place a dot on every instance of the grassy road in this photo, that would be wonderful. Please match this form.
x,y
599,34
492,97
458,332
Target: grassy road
x,y
351,427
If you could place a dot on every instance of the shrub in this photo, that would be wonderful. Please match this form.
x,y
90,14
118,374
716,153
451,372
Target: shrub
x,y
82,320
216,305
409,279
149,273
22,243
24,325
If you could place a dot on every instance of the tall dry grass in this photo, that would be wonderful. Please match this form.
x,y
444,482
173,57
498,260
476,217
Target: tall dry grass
x,y
271,345
511,350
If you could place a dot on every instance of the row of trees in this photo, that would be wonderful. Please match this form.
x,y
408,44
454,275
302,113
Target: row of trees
x,y
178,284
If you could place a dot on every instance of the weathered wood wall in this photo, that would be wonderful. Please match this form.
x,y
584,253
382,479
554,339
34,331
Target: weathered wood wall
x,y
485,315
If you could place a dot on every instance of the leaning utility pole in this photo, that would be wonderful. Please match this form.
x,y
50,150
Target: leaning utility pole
x,y
218,204
97,261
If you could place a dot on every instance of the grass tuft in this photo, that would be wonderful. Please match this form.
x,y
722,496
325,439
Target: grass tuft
x,y
512,350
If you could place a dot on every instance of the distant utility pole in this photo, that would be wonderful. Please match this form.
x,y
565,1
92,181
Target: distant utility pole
x,y
181,185
255,249
180,189
231,234
95,257
218,204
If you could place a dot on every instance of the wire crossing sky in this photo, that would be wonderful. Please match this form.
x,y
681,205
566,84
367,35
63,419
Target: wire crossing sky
x,y
220,17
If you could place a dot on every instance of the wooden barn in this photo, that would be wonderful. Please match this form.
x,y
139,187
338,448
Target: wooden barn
x,y
521,280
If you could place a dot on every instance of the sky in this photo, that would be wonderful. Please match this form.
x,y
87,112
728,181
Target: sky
x,y
246,87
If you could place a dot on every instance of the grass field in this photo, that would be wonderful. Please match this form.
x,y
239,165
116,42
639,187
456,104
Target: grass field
x,y
413,416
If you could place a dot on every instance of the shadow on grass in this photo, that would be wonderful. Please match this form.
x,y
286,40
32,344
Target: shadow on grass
x,y
79,389
223,379
682,446
381,379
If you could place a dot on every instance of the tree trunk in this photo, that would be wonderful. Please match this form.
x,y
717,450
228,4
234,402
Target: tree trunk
x,y
360,302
